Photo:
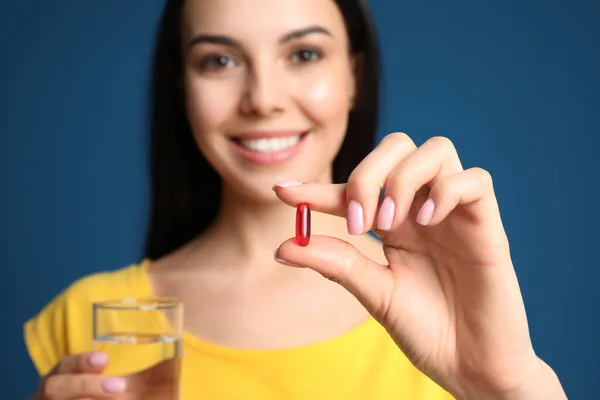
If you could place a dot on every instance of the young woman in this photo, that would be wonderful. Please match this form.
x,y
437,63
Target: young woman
x,y
260,105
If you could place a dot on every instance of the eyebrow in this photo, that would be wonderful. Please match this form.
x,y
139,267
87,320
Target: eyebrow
x,y
227,41
304,32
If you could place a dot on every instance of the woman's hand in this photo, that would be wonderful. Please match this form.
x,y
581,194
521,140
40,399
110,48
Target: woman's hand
x,y
79,377
449,296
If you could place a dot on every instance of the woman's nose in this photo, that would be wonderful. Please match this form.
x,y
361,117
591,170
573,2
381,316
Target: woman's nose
x,y
264,92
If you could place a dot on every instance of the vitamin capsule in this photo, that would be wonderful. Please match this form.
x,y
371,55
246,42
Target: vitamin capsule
x,y
303,224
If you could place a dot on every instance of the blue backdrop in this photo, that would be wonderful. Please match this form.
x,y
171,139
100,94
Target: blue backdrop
x,y
513,83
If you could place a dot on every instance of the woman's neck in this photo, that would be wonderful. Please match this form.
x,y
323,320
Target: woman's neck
x,y
253,230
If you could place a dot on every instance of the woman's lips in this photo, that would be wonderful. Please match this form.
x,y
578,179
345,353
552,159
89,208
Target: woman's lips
x,y
269,148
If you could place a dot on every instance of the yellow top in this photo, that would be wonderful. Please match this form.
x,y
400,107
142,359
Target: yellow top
x,y
361,364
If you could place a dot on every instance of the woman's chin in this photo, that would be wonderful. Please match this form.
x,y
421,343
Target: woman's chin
x,y
251,189
254,182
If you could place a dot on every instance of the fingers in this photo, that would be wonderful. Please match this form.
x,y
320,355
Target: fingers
x,y
92,362
434,160
78,376
329,199
361,193
371,283
396,165
463,188
370,176
81,386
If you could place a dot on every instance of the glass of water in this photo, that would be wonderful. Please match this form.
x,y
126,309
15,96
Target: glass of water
x,y
142,338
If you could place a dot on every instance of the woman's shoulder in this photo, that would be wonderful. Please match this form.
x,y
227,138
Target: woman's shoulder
x,y
126,281
64,325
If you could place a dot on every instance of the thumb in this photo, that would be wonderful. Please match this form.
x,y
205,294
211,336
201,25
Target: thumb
x,y
371,283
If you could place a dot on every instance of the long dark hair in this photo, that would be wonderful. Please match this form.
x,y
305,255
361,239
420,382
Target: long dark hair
x,y
185,189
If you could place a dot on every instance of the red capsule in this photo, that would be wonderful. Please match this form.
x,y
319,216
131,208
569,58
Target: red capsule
x,y
303,224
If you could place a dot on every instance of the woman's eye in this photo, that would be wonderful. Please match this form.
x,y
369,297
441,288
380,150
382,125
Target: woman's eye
x,y
304,56
216,62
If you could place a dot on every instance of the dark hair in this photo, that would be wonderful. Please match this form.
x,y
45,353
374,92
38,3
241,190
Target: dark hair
x,y
185,189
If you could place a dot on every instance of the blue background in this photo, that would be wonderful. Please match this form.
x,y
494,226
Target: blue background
x,y
513,83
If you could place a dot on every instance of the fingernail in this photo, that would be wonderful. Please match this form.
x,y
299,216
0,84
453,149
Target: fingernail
x,y
355,219
287,183
113,385
289,264
98,360
386,214
426,212
280,261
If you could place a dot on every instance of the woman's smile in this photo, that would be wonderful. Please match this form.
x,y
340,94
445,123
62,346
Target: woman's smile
x,y
269,147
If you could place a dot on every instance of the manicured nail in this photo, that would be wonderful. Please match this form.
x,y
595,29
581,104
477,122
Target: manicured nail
x,y
386,214
355,218
289,264
426,212
97,360
113,385
287,183
280,261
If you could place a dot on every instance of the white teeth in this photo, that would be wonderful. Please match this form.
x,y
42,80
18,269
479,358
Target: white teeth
x,y
271,145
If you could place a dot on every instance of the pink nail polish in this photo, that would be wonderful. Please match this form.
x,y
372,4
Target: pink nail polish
x,y
289,264
426,212
355,218
287,183
97,360
113,385
283,262
386,214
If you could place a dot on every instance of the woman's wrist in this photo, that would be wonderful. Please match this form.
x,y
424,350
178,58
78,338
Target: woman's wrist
x,y
541,383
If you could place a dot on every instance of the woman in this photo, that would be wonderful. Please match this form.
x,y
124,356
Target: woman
x,y
250,99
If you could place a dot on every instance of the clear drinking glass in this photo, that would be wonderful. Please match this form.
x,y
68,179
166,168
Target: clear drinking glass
x,y
142,338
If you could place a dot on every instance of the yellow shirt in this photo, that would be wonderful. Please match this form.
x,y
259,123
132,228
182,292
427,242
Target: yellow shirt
x,y
362,364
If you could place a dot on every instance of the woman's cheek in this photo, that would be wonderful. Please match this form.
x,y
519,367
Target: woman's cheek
x,y
209,105
325,98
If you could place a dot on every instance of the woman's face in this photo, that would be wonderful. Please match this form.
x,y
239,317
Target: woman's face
x,y
269,85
